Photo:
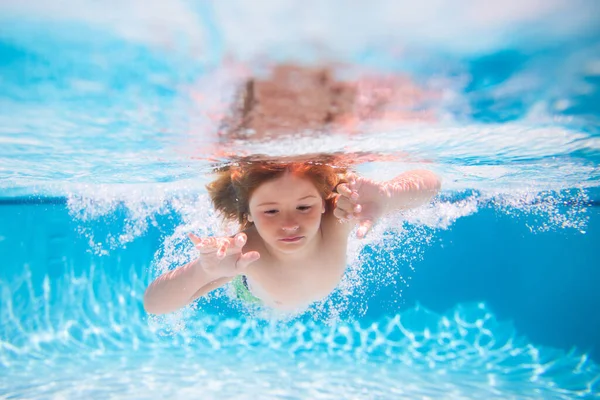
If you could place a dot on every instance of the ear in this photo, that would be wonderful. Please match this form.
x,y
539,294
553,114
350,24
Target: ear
x,y
250,219
323,205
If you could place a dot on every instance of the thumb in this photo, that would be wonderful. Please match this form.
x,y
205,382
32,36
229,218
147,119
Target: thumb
x,y
195,239
246,259
364,228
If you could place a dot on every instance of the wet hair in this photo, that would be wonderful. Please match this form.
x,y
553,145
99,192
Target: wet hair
x,y
235,183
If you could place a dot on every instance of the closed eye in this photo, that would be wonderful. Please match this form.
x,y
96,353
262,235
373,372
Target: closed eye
x,y
304,208
271,212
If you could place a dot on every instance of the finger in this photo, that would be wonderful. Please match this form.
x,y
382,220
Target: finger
x,y
239,240
351,210
205,243
364,228
195,239
232,245
351,178
224,245
246,259
209,245
344,204
342,215
355,183
345,190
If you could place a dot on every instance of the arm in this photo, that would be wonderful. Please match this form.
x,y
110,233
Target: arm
x,y
364,201
408,190
221,259
175,289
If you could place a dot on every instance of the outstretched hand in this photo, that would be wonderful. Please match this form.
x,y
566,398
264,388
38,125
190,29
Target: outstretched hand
x,y
349,208
223,256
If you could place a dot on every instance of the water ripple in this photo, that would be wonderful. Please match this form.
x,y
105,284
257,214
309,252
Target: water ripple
x,y
463,353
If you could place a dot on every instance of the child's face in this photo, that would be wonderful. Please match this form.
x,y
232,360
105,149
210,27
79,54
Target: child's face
x,y
287,212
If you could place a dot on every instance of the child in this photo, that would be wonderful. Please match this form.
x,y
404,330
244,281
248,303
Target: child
x,y
295,218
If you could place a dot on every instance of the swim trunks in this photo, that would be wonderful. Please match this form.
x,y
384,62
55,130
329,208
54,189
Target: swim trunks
x,y
242,291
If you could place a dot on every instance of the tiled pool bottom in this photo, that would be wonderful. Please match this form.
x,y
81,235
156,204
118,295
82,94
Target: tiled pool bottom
x,y
462,355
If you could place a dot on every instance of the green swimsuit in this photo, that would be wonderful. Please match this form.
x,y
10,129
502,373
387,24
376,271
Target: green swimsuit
x,y
242,291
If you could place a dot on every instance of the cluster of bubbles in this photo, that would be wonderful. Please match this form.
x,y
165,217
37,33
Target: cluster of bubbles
x,y
373,263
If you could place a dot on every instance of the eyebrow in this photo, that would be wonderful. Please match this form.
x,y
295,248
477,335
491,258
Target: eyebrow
x,y
273,202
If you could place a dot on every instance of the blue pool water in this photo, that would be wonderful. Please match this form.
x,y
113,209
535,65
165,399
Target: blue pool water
x,y
106,137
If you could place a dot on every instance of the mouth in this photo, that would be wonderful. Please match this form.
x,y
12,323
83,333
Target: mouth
x,y
292,239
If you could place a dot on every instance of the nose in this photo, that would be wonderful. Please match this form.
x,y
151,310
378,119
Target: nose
x,y
290,225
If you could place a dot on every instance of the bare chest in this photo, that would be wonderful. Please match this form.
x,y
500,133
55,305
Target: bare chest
x,y
298,284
